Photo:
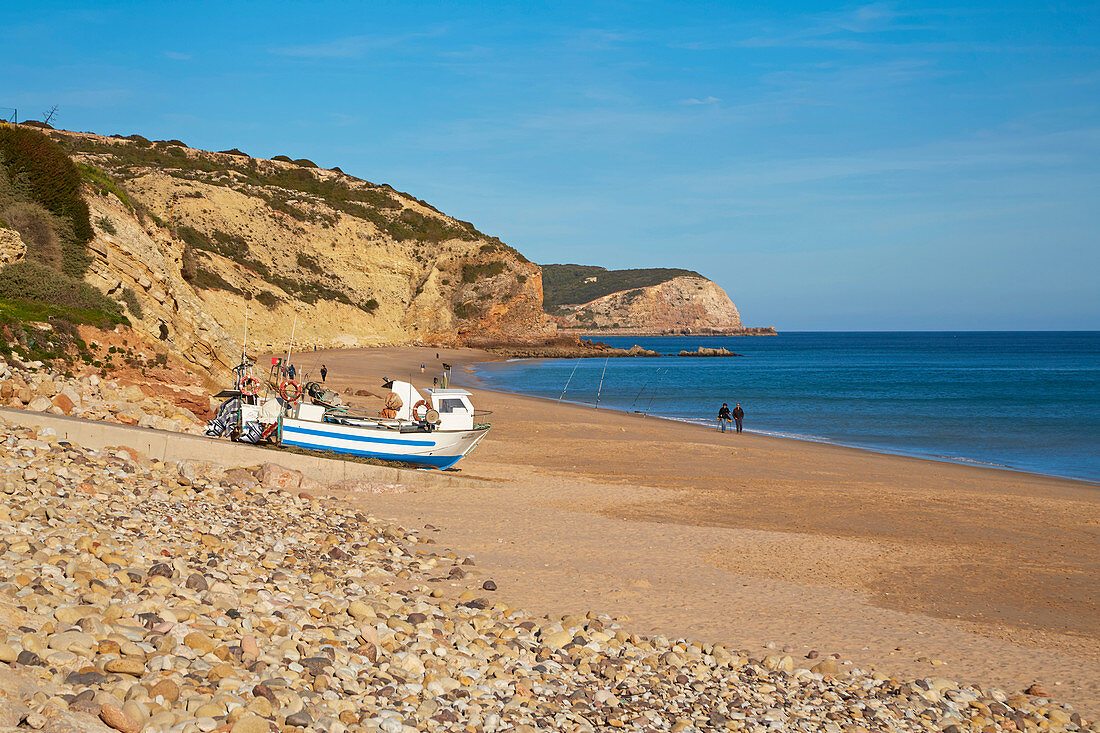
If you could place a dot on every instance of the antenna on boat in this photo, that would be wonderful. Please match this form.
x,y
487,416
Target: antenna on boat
x,y
568,381
244,346
290,347
601,382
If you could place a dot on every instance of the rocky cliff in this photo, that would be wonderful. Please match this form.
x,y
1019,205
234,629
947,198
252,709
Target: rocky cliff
x,y
201,239
682,304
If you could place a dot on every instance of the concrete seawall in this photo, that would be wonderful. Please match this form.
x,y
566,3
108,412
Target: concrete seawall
x,y
165,446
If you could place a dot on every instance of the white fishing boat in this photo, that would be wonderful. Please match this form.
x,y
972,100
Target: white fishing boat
x,y
436,430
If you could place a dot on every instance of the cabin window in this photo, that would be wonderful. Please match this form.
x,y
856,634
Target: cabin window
x,y
451,405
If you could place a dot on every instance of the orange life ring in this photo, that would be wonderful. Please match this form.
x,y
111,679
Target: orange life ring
x,y
289,387
425,405
250,386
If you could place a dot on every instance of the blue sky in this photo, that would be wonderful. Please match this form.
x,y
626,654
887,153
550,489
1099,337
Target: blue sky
x,y
877,166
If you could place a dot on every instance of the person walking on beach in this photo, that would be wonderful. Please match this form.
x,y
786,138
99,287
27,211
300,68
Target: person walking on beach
x,y
738,416
723,416
291,372
324,373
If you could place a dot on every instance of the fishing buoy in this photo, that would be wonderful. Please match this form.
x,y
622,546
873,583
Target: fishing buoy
x,y
290,390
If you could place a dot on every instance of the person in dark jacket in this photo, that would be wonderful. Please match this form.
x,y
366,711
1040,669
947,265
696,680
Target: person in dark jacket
x,y
738,416
324,373
724,417
291,372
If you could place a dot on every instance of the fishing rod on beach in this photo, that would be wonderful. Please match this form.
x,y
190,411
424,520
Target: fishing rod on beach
x,y
647,382
600,389
654,395
568,380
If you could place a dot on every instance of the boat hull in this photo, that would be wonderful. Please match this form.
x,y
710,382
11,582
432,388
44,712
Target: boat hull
x,y
440,449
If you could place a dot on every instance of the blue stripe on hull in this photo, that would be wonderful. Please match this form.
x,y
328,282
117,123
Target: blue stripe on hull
x,y
440,462
363,438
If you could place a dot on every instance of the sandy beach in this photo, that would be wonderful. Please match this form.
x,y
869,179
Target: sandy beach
x,y
910,567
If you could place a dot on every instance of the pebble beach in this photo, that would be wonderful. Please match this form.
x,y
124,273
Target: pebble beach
x,y
144,596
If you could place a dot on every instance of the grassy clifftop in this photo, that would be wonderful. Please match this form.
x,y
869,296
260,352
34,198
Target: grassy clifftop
x,y
576,284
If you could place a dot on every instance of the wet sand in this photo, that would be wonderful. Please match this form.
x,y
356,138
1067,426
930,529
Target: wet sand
x,y
912,567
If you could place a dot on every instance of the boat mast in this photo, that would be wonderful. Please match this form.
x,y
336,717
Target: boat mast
x,y
601,382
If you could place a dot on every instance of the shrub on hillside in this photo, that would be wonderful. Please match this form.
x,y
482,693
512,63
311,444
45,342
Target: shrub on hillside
x,y
52,179
40,230
132,304
305,163
235,151
473,273
30,281
307,262
209,280
283,158
268,299
222,243
189,267
104,184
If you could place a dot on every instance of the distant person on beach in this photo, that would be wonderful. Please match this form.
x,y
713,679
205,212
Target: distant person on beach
x,y
421,368
724,416
324,373
291,371
738,416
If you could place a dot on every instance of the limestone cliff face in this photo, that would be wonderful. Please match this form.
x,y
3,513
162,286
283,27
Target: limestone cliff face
x,y
203,238
686,303
12,246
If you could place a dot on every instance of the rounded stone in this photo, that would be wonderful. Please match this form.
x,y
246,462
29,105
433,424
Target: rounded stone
x,y
250,724
113,716
125,665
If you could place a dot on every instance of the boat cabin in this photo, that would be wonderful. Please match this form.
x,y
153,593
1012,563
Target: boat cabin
x,y
456,412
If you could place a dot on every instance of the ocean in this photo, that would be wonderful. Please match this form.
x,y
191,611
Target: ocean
x,y
1027,401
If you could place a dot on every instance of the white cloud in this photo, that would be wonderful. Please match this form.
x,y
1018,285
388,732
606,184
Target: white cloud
x,y
704,100
177,56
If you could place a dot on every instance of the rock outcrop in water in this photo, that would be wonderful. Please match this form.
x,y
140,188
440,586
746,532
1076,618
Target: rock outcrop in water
x,y
640,302
704,351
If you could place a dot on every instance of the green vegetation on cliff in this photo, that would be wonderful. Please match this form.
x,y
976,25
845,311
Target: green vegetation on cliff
x,y
40,198
576,284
